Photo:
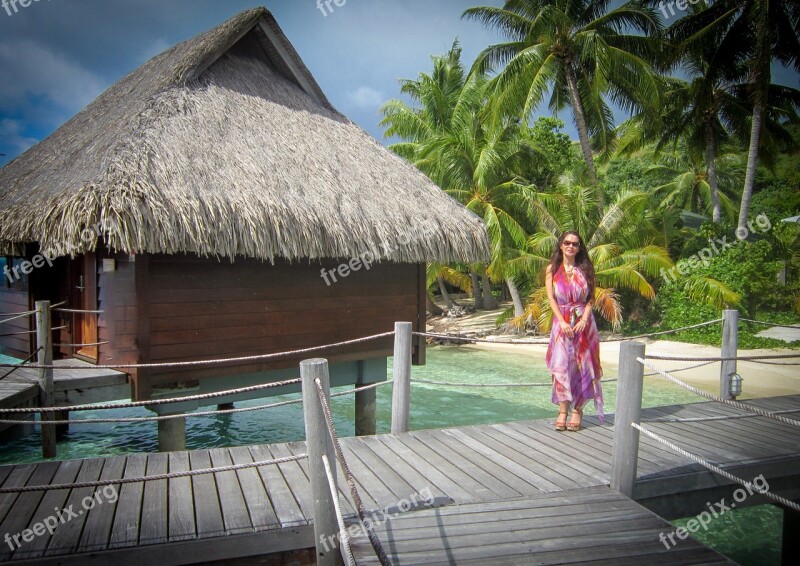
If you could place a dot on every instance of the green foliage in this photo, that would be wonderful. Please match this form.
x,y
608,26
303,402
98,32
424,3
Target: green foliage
x,y
555,155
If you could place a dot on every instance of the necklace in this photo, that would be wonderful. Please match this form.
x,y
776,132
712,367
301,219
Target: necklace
x,y
569,271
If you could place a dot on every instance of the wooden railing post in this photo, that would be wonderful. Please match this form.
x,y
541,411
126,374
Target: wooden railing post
x,y
44,341
625,451
730,345
318,441
401,365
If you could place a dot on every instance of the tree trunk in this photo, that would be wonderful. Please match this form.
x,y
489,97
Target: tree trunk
x,y
761,77
432,307
750,176
580,121
445,295
489,302
711,171
519,309
476,290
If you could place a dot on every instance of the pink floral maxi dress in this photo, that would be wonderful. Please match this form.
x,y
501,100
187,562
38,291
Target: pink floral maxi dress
x,y
574,362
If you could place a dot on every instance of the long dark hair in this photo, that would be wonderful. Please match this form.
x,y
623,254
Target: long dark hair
x,y
581,260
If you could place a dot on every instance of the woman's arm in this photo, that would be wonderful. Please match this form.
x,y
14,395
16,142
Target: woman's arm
x,y
557,317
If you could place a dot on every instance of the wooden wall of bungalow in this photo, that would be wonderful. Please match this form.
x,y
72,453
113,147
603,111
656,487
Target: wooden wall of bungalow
x,y
171,308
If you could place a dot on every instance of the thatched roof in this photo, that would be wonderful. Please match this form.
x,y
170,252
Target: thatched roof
x,y
225,145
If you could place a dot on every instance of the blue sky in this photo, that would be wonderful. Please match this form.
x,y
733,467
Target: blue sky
x,y
56,56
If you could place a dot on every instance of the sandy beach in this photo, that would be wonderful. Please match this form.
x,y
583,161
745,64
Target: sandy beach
x,y
759,379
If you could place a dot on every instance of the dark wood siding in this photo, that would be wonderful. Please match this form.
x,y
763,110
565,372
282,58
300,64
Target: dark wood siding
x,y
14,300
203,308
116,297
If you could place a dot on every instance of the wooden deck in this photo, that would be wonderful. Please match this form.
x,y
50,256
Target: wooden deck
x,y
72,387
594,525
475,469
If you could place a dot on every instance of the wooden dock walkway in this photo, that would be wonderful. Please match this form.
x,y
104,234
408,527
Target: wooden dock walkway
x,y
516,470
72,387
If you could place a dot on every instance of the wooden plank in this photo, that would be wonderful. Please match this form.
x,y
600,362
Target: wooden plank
x,y
181,505
374,492
97,530
127,519
440,458
262,515
81,500
231,498
293,473
48,510
283,500
206,501
154,528
506,459
21,507
472,463
438,481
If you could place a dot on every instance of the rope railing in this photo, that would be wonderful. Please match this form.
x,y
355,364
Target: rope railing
x,y
21,364
344,536
737,404
200,397
218,361
155,477
191,414
681,369
796,326
725,358
81,345
351,482
712,418
750,486
76,311
472,339
17,316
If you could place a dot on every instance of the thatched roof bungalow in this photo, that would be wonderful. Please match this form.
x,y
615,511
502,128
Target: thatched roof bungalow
x,y
198,203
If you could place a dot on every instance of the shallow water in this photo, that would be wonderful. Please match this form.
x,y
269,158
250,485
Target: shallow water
x,y
748,536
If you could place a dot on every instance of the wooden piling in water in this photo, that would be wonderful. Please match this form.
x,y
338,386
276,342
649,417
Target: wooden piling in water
x,y
44,343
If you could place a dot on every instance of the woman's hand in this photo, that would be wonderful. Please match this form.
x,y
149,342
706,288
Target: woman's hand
x,y
566,328
580,326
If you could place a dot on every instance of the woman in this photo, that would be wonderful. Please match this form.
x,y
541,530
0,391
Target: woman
x,y
573,356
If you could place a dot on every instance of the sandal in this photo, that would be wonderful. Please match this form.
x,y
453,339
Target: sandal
x,y
561,424
575,426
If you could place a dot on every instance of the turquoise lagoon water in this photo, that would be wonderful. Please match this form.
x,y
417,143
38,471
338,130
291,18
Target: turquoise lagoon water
x,y
749,536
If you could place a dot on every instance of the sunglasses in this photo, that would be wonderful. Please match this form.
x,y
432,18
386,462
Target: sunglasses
x,y
573,244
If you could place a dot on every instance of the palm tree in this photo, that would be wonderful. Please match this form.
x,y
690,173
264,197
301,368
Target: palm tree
x,y
624,248
687,185
754,32
471,158
579,50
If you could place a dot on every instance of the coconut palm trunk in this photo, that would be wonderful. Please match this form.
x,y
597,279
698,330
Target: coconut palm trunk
x,y
432,307
445,295
489,302
752,158
519,309
580,121
476,290
711,171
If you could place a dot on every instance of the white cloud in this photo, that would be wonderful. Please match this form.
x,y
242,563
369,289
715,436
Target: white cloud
x,y
39,72
12,138
366,97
